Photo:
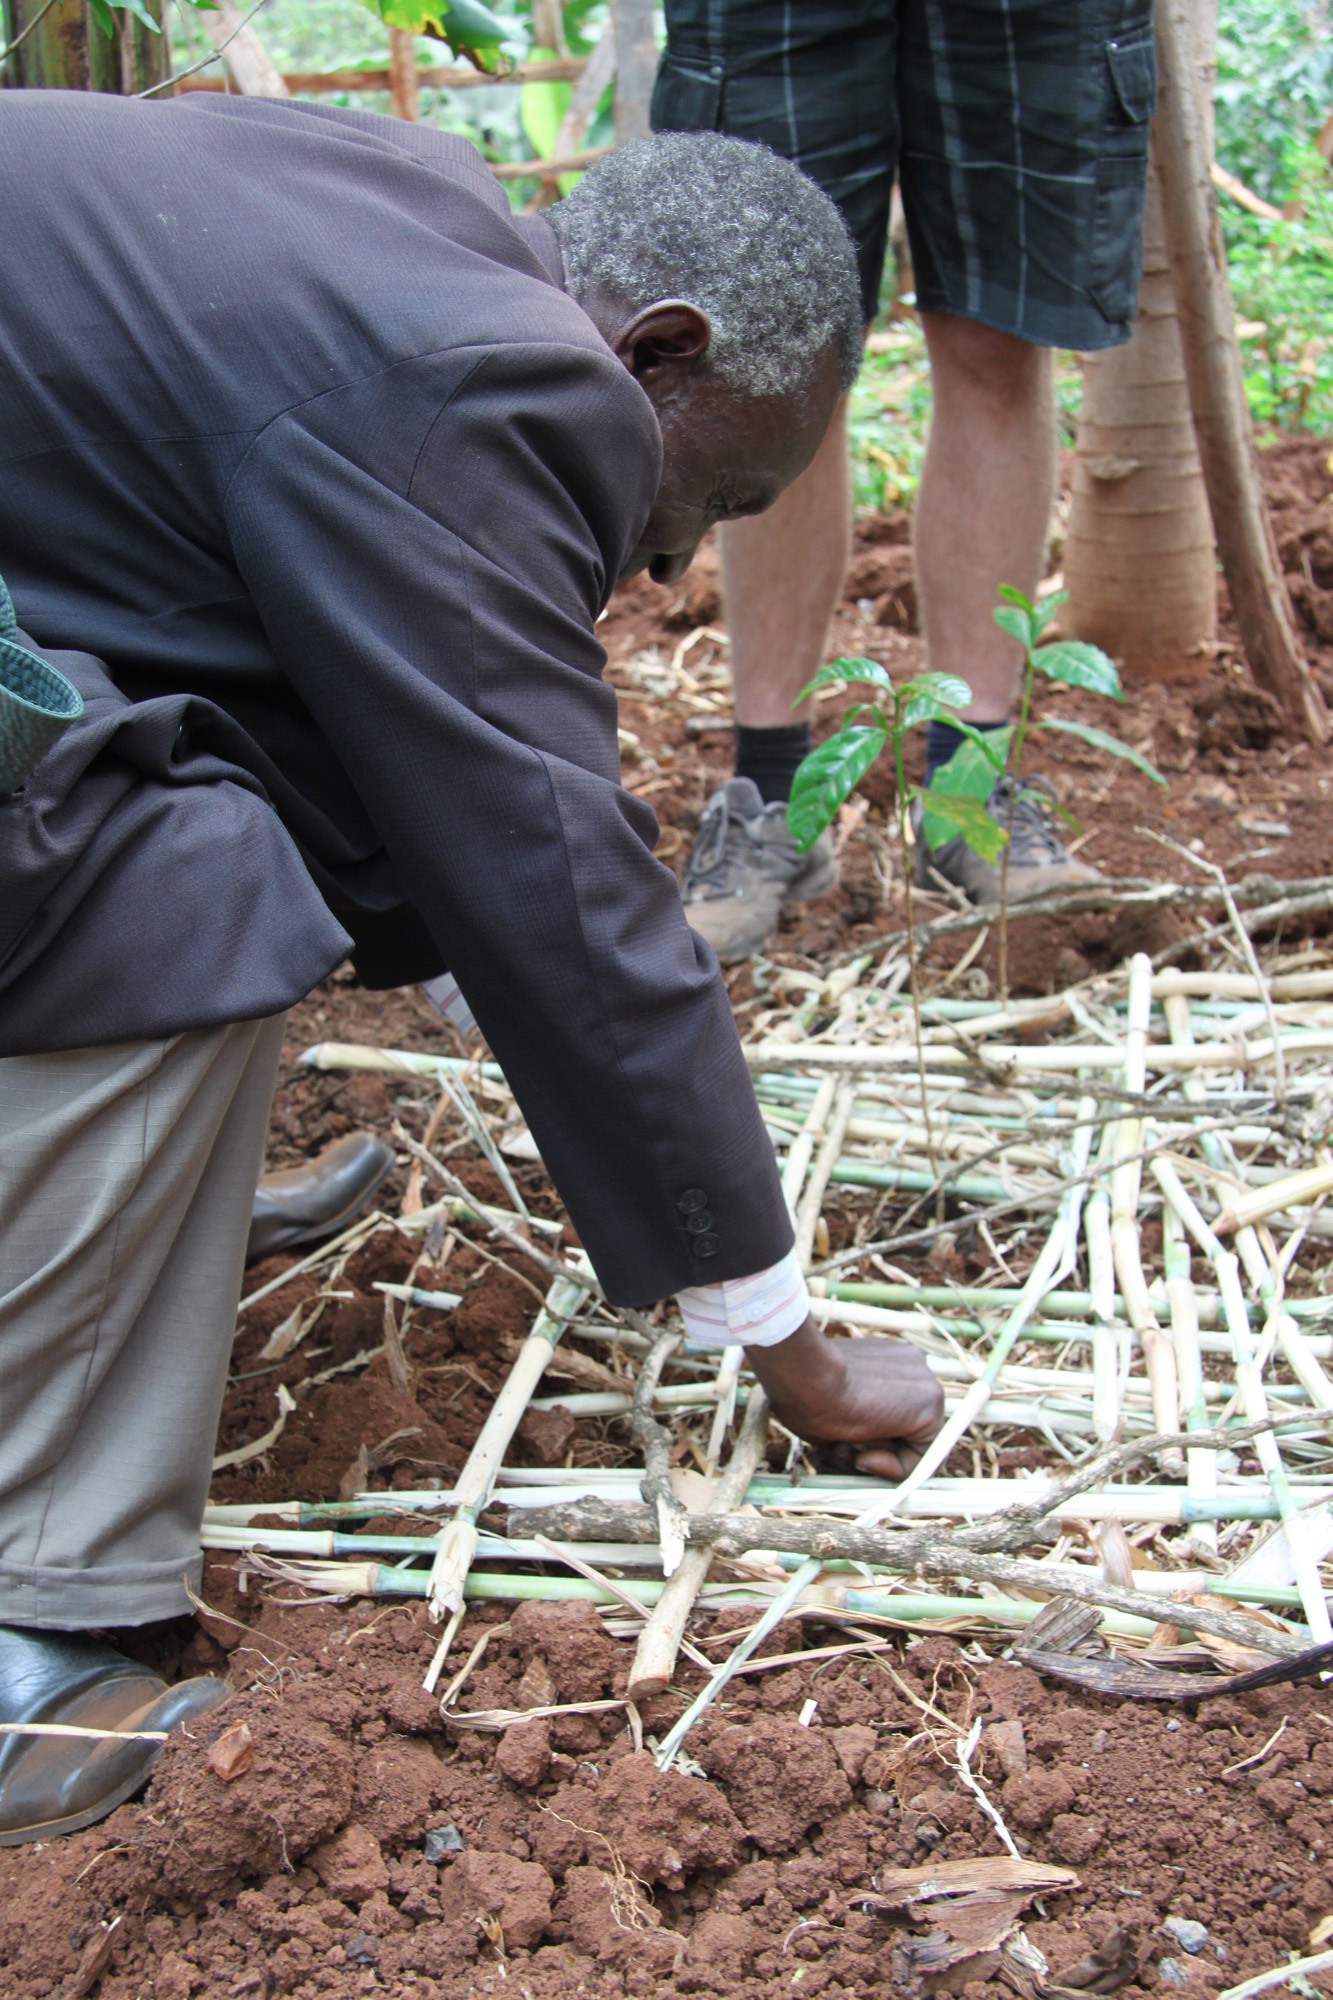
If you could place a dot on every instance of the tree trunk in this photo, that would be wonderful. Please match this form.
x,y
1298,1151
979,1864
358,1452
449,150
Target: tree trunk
x,y
404,88
249,64
68,51
1139,563
636,67
1217,388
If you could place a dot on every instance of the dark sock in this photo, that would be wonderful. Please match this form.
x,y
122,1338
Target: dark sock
x,y
771,757
942,739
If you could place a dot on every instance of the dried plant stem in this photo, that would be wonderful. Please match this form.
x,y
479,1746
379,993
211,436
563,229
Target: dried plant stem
x,y
941,1553
458,1542
1201,1466
1126,1247
659,1642
835,1133
655,1444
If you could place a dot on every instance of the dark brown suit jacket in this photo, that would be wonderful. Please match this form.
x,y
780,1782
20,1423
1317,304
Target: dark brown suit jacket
x,y
309,459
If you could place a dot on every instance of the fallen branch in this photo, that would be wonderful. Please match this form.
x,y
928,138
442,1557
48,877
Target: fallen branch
x,y
660,1640
655,1444
930,1551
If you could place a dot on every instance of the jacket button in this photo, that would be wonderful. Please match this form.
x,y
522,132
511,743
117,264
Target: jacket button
x,y
691,1201
706,1246
699,1223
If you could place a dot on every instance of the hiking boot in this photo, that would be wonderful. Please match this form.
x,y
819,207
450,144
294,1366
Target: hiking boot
x,y
1038,858
744,867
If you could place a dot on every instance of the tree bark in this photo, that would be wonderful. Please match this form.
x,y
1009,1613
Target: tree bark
x,y
1217,390
249,64
1139,563
636,67
404,88
68,51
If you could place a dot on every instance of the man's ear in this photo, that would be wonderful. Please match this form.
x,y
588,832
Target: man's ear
x,y
663,335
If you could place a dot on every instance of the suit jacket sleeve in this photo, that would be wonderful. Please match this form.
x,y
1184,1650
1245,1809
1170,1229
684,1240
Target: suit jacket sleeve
x,y
429,552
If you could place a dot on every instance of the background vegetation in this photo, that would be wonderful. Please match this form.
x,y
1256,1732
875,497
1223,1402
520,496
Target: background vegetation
x,y
1274,95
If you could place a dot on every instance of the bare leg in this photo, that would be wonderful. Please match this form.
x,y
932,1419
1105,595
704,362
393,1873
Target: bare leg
x,y
985,499
781,575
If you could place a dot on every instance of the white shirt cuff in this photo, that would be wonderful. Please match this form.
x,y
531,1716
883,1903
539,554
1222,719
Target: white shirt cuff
x,y
758,1311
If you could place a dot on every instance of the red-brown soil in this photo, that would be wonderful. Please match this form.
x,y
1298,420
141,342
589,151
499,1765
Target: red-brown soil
x,y
580,1869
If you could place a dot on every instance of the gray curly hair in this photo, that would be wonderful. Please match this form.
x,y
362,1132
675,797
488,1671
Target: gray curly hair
x,y
730,227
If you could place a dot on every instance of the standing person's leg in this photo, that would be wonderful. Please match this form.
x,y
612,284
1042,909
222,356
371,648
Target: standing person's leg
x,y
984,502
127,1177
813,80
1023,161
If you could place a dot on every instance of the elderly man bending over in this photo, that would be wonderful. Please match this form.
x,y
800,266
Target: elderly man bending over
x,y
322,467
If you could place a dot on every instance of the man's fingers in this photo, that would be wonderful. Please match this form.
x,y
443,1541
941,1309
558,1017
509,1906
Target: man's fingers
x,y
881,1464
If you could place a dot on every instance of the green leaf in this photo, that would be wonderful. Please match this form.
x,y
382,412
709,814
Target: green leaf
x,y
103,17
827,776
1079,665
1011,619
1100,740
945,814
976,764
470,29
542,107
1046,608
969,774
840,673
946,689
142,15
1013,596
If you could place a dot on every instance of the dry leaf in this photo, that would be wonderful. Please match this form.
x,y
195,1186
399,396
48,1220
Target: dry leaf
x,y
896,1887
357,1476
93,1962
1112,1965
233,1753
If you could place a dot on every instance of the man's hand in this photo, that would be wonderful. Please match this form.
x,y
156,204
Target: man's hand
x,y
876,1395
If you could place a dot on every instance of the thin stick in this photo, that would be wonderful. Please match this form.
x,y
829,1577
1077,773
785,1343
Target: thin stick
x,y
660,1640
1250,1383
458,1542
1281,1975
807,1214
1125,1182
655,1444
1201,1466
70,1729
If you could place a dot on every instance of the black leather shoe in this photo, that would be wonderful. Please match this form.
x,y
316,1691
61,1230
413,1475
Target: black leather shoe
x,y
301,1204
56,1784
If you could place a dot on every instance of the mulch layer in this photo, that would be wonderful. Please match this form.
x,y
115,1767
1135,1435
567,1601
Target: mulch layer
x,y
374,1848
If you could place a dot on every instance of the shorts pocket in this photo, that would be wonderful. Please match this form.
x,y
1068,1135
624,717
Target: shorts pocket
x,y
1122,171
1133,67
686,97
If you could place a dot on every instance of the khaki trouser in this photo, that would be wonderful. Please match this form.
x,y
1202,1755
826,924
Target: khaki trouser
x,y
127,1176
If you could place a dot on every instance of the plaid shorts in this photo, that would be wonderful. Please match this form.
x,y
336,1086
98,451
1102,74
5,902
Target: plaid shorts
x,y
1019,129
